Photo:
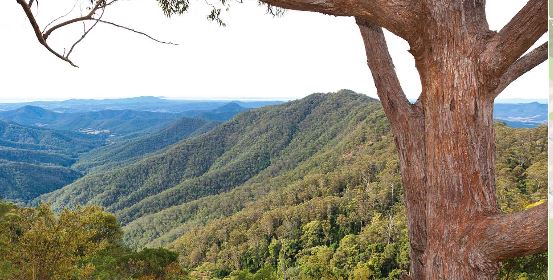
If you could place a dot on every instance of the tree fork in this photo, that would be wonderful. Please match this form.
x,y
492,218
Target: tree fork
x,y
446,144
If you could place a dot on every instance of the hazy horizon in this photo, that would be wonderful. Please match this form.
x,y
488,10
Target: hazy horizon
x,y
255,56
253,99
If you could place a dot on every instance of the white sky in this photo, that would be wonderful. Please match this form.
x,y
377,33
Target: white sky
x,y
255,57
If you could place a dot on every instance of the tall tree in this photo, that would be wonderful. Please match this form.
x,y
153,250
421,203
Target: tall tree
x,y
446,139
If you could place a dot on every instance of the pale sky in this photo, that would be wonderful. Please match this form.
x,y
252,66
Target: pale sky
x,y
256,56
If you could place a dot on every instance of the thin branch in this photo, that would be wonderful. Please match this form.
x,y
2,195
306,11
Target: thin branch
x,y
60,17
513,40
89,16
137,32
515,235
84,35
42,36
521,66
36,29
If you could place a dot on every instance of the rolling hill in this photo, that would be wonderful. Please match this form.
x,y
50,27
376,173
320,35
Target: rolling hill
x,y
521,114
142,103
107,122
267,140
126,151
309,186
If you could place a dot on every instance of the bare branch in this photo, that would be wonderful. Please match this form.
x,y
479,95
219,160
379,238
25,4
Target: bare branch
x,y
521,66
84,35
60,17
99,4
398,16
513,40
36,29
380,62
515,235
137,32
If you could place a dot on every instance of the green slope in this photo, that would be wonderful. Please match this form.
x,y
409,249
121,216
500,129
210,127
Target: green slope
x,y
14,135
270,140
309,189
22,182
127,151
34,161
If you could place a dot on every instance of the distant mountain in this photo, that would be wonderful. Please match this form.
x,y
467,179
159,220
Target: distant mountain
x,y
17,136
108,122
131,150
521,114
265,141
223,113
520,100
144,103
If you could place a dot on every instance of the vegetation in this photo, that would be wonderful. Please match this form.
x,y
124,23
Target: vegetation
x,y
108,122
126,151
34,160
36,244
305,190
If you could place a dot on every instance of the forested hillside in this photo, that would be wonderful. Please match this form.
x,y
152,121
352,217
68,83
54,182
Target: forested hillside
x,y
126,151
305,190
34,161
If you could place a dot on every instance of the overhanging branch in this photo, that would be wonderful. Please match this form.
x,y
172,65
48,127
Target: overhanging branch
x,y
99,6
521,66
398,16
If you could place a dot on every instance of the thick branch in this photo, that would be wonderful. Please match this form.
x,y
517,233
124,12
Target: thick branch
x,y
521,66
513,40
38,33
398,16
396,105
515,235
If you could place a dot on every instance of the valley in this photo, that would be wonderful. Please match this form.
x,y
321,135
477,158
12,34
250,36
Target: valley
x,y
307,189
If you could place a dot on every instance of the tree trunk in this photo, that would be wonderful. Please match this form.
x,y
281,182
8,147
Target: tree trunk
x,y
446,146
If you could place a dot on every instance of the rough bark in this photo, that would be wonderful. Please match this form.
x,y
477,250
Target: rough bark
x,y
408,126
446,140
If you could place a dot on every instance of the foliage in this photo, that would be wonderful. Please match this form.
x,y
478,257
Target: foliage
x,y
85,243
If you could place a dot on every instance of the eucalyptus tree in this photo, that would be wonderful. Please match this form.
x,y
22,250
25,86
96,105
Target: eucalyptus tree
x,y
445,139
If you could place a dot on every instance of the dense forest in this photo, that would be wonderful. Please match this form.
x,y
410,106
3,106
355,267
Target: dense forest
x,y
43,150
305,190
35,160
134,149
